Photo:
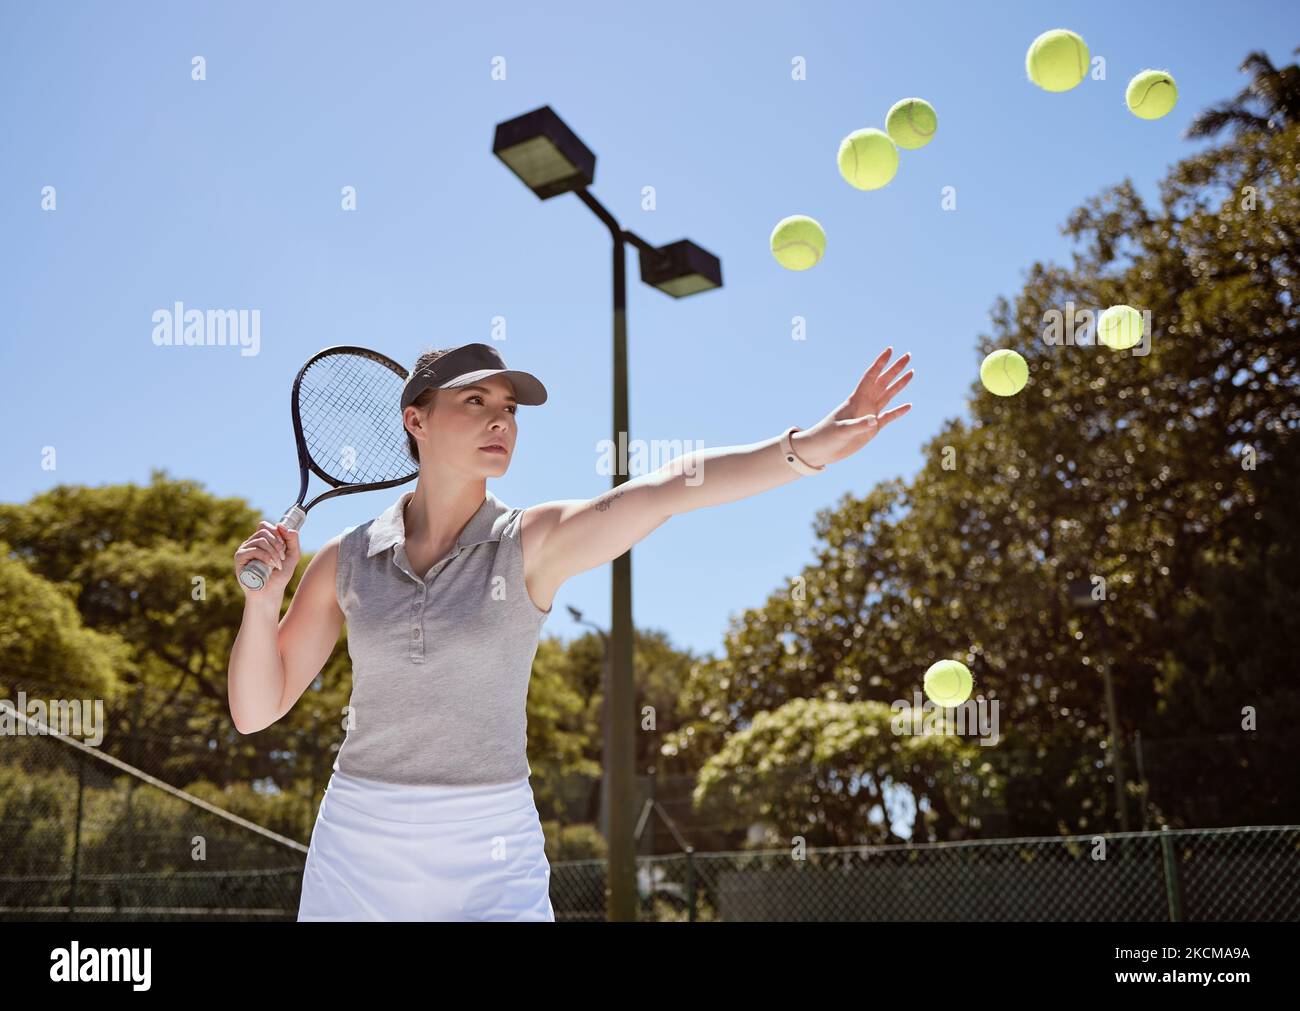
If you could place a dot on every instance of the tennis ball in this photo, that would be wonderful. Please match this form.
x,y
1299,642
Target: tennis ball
x,y
1004,372
911,123
948,683
1120,327
1057,60
798,242
868,158
1151,94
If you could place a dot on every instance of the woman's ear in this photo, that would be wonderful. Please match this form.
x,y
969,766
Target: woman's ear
x,y
413,419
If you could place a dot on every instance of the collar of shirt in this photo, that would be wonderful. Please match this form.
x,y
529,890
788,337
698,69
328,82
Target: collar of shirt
x,y
390,527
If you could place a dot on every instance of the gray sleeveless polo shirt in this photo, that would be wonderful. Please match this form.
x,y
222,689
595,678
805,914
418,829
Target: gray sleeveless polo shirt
x,y
440,665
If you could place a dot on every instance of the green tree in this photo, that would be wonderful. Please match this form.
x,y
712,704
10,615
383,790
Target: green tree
x,y
836,774
41,629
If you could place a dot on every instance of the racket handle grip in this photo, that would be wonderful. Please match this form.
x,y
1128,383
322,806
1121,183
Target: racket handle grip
x,y
255,574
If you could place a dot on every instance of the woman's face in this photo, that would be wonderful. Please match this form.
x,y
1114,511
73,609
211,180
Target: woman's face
x,y
466,419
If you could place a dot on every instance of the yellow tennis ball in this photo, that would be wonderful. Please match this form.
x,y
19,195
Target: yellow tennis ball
x,y
911,123
1057,60
1120,327
1004,372
948,683
1151,94
798,242
868,158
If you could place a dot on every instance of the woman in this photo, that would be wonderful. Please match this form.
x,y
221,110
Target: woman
x,y
428,813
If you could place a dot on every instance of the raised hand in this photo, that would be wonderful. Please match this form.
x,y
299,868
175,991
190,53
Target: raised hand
x,y
861,415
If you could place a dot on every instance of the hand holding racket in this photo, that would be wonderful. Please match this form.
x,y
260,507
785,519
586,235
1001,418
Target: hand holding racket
x,y
277,547
347,422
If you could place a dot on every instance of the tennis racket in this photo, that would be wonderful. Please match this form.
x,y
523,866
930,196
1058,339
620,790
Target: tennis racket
x,y
349,431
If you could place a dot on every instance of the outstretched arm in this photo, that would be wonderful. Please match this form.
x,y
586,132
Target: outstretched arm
x,y
570,536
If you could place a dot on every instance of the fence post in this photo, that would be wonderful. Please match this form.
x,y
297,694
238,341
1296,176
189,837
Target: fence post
x,y
1172,889
76,836
690,883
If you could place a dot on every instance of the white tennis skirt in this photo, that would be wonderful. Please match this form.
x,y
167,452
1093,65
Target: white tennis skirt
x,y
388,851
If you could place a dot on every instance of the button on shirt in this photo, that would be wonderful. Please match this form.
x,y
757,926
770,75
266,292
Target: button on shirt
x,y
440,665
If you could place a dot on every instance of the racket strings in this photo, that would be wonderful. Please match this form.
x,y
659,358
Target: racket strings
x,y
349,409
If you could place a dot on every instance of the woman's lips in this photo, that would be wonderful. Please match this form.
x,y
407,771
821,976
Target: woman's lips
x,y
493,449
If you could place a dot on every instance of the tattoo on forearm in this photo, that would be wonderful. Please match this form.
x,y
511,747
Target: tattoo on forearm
x,y
604,504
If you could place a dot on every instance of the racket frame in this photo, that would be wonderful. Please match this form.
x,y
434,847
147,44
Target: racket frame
x,y
255,573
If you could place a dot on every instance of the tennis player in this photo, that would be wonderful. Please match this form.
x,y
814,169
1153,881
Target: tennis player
x,y
428,814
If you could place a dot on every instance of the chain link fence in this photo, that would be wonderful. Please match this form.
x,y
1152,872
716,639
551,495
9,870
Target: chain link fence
x,y
84,836
1216,875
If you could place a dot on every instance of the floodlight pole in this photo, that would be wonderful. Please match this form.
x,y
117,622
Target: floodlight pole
x,y
550,159
620,690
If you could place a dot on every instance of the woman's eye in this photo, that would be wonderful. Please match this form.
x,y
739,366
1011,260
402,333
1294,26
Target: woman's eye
x,y
514,408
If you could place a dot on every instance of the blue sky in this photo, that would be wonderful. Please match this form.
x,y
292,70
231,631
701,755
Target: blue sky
x,y
225,193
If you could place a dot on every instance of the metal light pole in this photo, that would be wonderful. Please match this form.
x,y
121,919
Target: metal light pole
x,y
1082,598
550,160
